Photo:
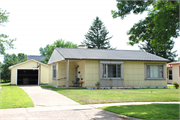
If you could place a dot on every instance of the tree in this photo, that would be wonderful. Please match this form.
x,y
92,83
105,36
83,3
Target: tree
x,y
178,58
162,51
10,60
96,37
5,43
47,51
160,27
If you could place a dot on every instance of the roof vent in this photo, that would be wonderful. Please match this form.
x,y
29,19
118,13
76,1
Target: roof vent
x,y
82,46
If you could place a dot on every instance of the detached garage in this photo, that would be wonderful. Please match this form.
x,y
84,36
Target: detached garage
x,y
30,72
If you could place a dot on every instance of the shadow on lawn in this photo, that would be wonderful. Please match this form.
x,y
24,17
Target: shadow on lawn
x,y
6,84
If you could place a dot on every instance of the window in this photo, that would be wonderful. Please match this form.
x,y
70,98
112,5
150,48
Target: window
x,y
155,71
54,71
111,71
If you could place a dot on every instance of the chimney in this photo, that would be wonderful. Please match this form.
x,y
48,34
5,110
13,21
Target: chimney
x,y
82,46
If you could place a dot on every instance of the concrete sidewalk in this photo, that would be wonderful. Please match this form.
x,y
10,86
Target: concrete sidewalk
x,y
76,107
72,112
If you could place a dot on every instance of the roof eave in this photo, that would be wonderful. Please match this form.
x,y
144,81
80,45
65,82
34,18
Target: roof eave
x,y
114,59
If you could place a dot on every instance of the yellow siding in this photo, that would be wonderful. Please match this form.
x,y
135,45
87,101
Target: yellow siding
x,y
89,71
82,70
44,79
61,74
175,70
92,72
30,65
51,80
134,75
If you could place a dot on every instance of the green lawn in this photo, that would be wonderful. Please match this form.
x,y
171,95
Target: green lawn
x,y
4,81
87,96
152,111
13,97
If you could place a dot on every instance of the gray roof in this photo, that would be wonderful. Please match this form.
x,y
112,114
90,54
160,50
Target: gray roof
x,y
104,54
35,57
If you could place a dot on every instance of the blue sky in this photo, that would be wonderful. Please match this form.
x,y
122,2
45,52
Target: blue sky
x,y
36,23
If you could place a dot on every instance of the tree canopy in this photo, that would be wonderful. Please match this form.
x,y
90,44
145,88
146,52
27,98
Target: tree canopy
x,y
178,59
159,28
9,60
47,51
164,51
5,43
97,36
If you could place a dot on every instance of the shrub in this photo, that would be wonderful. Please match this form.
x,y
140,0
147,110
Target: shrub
x,y
176,85
97,84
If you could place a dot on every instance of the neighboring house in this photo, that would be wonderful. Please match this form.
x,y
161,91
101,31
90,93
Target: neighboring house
x,y
117,68
35,57
173,72
30,72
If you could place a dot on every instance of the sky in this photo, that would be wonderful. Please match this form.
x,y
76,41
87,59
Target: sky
x,y
36,23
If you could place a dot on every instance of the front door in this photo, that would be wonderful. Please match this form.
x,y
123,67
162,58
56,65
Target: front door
x,y
170,76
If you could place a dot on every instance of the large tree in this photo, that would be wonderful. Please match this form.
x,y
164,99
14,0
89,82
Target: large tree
x,y
178,59
160,27
97,36
164,51
5,43
47,51
9,60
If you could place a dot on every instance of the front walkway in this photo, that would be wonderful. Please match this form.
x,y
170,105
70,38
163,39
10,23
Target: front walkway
x,y
47,98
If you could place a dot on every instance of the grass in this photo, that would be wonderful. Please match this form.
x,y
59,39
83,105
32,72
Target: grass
x,y
171,87
152,111
4,81
13,97
89,96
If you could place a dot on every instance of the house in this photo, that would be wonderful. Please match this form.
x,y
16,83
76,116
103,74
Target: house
x,y
30,72
35,57
173,72
117,68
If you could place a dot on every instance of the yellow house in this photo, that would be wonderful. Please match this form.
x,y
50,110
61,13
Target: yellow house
x,y
117,68
30,72
173,72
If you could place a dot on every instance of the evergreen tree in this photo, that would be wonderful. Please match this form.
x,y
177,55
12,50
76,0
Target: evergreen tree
x,y
97,36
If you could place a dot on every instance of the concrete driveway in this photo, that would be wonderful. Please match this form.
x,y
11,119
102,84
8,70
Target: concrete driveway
x,y
47,98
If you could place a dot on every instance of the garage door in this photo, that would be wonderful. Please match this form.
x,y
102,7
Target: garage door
x,y
27,76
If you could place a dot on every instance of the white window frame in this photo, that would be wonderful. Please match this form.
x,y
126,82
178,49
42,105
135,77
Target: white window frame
x,y
157,64
109,63
54,78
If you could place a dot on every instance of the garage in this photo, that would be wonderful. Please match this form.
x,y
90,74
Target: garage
x,y
30,72
27,76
